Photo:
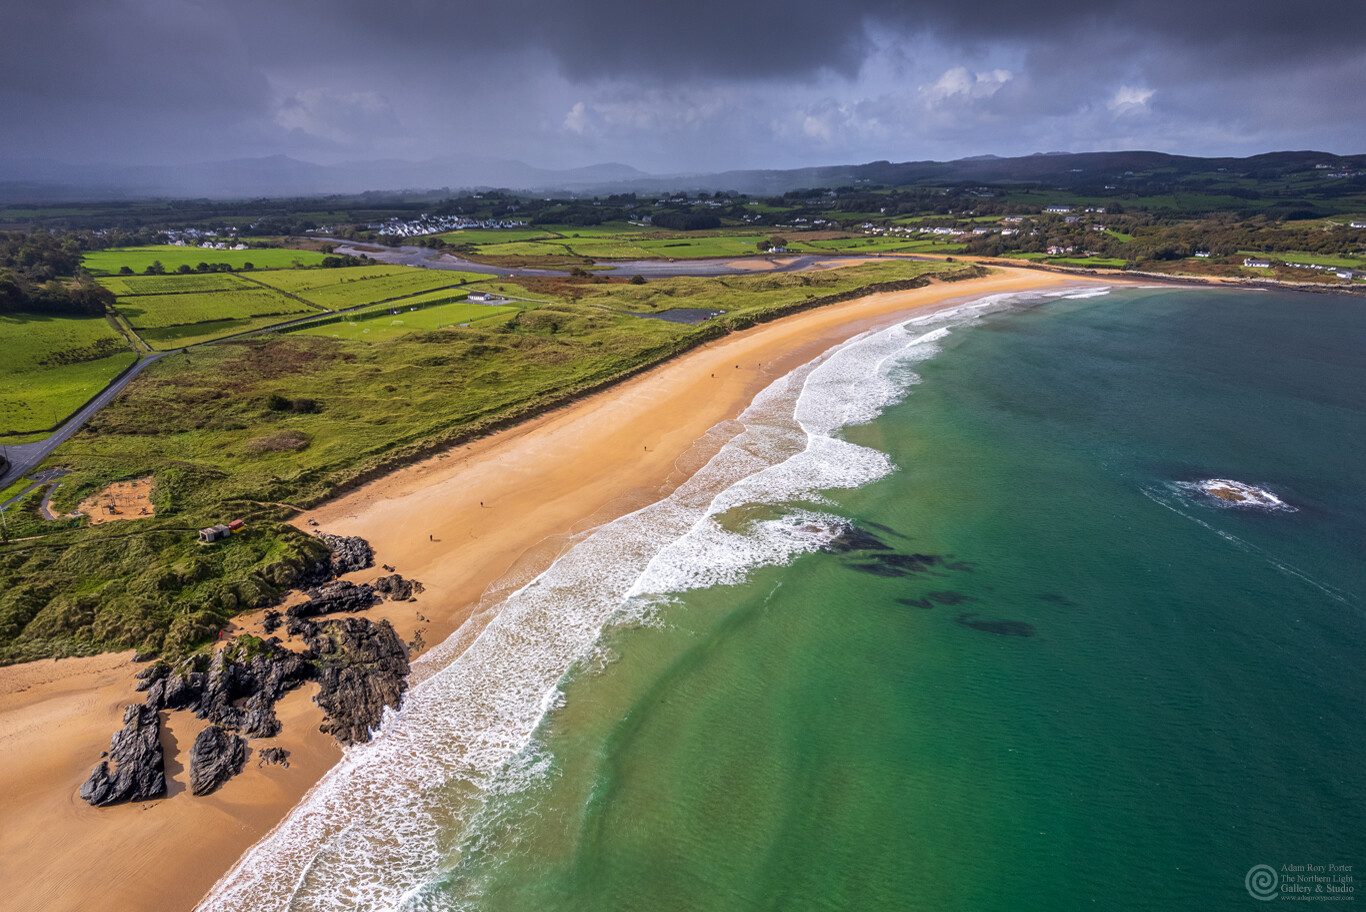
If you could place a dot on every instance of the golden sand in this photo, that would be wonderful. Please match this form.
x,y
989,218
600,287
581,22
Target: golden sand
x,y
457,522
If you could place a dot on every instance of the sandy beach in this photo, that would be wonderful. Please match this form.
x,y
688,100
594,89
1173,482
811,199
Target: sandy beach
x,y
466,523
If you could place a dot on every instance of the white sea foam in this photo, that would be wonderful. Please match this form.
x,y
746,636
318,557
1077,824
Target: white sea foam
x,y
382,827
1176,497
1225,492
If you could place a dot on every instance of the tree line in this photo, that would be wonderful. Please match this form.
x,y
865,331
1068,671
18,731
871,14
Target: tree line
x,y
32,267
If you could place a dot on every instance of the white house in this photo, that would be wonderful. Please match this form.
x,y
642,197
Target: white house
x,y
1359,224
1257,264
1059,209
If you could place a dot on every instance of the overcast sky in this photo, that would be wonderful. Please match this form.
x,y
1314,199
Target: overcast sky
x,y
675,86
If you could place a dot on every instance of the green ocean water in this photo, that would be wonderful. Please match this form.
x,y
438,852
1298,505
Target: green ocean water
x,y
1044,675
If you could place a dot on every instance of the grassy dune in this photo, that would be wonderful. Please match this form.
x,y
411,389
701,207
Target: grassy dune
x,y
243,429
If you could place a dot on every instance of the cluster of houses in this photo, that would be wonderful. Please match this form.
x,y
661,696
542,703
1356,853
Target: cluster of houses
x,y
940,230
436,224
1340,271
1064,210
222,239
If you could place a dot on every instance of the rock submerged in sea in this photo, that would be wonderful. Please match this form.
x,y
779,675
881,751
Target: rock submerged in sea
x,y
139,770
216,757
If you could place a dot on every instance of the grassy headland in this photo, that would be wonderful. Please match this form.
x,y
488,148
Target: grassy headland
x,y
253,429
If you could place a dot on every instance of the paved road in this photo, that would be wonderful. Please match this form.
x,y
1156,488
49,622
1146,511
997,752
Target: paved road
x,y
24,457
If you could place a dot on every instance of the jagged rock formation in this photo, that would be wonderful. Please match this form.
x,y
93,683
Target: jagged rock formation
x,y
216,757
362,668
269,756
335,597
397,588
232,677
348,553
139,772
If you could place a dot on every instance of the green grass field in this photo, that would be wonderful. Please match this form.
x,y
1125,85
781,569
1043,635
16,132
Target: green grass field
x,y
376,326
108,262
880,245
862,245
208,426
125,286
35,395
336,289
616,244
167,310
481,236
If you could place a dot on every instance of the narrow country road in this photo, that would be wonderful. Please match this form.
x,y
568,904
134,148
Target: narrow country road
x,y
24,457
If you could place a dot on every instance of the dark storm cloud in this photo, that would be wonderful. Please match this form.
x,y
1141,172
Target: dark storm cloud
x,y
799,38
665,84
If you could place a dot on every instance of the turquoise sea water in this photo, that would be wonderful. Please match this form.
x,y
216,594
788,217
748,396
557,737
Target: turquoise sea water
x,y
949,625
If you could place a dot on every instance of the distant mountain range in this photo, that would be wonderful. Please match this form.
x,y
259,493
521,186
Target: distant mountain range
x,y
281,176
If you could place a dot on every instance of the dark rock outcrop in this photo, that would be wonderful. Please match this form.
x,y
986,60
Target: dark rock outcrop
x,y
177,691
362,668
269,756
139,771
260,681
272,621
336,597
258,716
397,588
348,553
151,674
216,757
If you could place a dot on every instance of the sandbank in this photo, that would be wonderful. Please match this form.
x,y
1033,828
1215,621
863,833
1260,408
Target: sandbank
x,y
466,523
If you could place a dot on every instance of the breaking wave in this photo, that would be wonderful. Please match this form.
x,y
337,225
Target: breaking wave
x,y
384,826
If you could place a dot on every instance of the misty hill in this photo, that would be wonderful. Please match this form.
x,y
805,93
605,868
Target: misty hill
x,y
281,176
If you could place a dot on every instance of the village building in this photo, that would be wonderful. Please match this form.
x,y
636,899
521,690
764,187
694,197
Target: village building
x,y
1251,263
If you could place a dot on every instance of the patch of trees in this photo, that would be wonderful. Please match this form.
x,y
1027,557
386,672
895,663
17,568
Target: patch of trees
x,y
39,256
277,225
18,295
334,262
30,267
686,221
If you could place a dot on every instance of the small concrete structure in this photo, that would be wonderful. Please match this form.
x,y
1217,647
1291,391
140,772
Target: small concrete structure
x,y
214,533
219,532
